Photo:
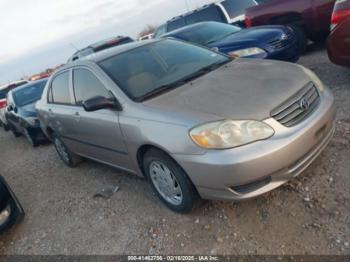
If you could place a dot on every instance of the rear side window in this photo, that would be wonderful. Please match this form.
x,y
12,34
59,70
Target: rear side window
x,y
86,86
236,8
210,13
60,89
176,24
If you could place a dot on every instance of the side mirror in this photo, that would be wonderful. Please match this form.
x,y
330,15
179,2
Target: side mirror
x,y
100,102
11,210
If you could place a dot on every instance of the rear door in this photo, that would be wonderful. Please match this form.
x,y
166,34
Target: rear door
x,y
61,107
97,135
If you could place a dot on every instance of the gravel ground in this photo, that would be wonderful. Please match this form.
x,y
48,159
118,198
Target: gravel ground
x,y
310,215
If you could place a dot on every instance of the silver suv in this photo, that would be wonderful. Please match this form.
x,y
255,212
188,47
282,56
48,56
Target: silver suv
x,y
192,121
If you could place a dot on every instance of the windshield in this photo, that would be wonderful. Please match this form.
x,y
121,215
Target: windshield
x,y
160,65
207,33
29,94
235,8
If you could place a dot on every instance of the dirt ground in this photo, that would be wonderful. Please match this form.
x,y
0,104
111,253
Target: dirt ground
x,y
310,215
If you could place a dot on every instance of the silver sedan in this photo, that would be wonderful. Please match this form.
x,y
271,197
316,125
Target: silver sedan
x,y
192,121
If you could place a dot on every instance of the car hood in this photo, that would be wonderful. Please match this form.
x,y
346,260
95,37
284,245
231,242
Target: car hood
x,y
242,89
254,36
28,110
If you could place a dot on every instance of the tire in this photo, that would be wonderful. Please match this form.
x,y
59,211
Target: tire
x,y
183,200
14,131
301,36
30,138
4,126
68,157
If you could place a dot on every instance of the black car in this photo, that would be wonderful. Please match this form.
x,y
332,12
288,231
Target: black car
x,y
11,210
21,114
100,46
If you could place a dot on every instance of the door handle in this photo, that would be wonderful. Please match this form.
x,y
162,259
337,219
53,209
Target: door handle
x,y
77,116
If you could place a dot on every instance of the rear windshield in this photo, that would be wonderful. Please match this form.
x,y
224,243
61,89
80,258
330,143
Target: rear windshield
x,y
176,24
236,8
3,92
29,94
210,13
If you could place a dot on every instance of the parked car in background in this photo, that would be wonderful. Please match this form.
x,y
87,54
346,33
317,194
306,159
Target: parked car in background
x,y
146,37
338,43
21,114
189,119
11,210
100,46
3,102
309,18
228,11
267,42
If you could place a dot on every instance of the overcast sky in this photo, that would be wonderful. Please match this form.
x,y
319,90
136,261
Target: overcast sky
x,y
36,34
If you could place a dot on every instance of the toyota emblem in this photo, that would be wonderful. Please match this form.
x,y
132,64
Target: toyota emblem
x,y
304,104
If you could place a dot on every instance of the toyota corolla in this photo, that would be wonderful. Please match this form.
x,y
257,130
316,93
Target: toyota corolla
x,y
190,120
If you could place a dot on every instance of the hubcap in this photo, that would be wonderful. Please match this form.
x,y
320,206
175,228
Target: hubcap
x,y
61,149
165,183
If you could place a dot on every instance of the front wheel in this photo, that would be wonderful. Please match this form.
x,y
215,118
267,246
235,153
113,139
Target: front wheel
x,y
68,157
169,181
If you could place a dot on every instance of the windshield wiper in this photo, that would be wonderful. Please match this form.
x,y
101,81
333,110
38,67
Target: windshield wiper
x,y
165,88
155,92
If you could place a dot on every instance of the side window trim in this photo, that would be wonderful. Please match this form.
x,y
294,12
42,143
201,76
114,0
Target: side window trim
x,y
69,85
74,102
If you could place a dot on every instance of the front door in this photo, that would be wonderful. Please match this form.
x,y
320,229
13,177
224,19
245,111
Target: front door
x,y
97,134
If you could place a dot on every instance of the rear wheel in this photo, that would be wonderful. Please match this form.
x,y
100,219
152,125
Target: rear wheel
x,y
4,126
68,157
169,181
14,131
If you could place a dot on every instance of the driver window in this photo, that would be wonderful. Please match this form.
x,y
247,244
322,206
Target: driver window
x,y
87,86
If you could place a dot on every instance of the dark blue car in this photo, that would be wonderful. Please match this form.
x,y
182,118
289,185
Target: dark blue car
x,y
267,42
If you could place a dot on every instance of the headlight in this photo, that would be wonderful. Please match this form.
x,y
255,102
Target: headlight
x,y
229,134
247,52
314,78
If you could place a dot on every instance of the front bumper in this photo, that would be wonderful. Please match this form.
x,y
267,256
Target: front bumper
x,y
251,170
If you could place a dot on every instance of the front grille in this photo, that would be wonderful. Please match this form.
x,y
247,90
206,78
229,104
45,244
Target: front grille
x,y
298,107
281,43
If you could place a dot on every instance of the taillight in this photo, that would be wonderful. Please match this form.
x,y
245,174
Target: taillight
x,y
338,17
3,103
248,22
